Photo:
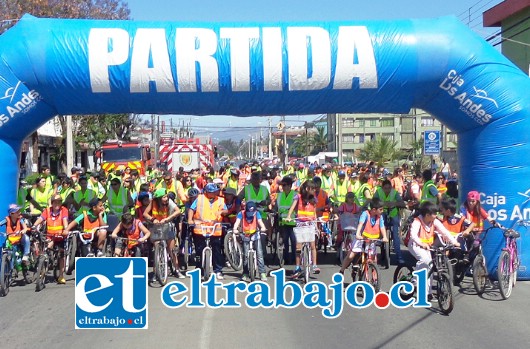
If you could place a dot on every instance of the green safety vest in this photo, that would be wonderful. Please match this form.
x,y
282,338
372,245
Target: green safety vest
x,y
250,195
360,199
284,203
87,195
41,198
230,183
64,193
117,201
426,194
340,191
391,197
327,183
21,198
301,175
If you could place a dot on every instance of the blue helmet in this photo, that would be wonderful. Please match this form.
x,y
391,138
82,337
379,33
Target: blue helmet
x,y
211,188
250,209
142,195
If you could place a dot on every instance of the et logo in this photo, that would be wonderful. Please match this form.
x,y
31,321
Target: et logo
x,y
111,293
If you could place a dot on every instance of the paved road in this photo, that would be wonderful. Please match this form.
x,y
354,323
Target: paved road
x,y
46,320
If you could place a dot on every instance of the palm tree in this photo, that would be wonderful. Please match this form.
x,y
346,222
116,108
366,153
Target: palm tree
x,y
380,151
320,140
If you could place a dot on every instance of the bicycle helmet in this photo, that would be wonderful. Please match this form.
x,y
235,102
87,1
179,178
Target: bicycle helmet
x,y
159,193
250,209
193,192
211,188
142,195
13,208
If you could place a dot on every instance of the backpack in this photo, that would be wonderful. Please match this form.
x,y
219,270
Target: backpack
x,y
407,192
406,227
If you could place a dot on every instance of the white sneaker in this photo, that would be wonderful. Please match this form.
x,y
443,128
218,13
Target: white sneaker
x,y
220,276
99,254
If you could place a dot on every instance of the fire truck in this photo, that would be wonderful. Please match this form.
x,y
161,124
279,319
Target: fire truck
x,y
134,155
189,153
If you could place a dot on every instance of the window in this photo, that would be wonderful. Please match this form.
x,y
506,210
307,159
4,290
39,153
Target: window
x,y
361,138
389,136
373,123
406,140
347,122
348,138
451,137
387,123
361,122
427,122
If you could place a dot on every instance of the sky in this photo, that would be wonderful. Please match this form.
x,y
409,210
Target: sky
x,y
228,11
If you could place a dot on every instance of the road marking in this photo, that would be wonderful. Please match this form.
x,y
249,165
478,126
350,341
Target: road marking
x,y
206,329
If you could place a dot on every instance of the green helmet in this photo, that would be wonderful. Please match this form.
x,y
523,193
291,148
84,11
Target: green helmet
x,y
159,193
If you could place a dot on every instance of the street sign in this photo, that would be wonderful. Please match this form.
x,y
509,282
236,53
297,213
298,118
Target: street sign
x,y
431,143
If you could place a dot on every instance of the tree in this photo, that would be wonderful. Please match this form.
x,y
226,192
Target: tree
x,y
320,141
380,151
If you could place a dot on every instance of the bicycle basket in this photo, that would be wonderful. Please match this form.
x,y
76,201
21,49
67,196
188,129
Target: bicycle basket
x,y
304,233
349,221
165,231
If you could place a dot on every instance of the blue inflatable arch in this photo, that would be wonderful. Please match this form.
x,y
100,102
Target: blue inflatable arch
x,y
52,66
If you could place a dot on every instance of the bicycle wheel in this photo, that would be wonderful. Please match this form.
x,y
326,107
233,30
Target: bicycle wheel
x,y
403,272
42,269
29,272
460,270
53,258
279,249
252,264
207,263
450,268
342,252
504,275
70,255
372,275
186,254
516,264
233,251
5,275
445,293
479,274
306,265
386,247
161,263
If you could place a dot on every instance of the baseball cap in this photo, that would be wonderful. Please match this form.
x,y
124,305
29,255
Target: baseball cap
x,y
301,166
234,171
13,208
159,193
473,195
354,174
229,191
56,197
211,188
342,173
250,209
94,202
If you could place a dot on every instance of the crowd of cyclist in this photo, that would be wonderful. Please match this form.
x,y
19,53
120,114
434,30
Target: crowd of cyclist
x,y
244,198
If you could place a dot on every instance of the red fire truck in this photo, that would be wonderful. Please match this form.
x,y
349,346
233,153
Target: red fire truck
x,y
134,155
189,153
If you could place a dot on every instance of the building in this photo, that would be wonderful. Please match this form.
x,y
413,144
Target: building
x,y
513,16
355,130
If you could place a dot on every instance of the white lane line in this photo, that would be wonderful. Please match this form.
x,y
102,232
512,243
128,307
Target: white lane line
x,y
206,329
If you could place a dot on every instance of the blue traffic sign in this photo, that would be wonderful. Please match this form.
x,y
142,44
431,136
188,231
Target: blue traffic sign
x,y
431,143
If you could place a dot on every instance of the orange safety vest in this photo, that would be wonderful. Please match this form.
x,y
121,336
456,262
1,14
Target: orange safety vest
x,y
479,222
321,203
159,212
209,214
372,231
13,239
54,224
249,228
232,214
456,228
424,235
88,226
133,234
306,212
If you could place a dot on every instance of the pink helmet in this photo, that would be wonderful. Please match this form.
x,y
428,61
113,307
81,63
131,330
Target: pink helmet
x,y
473,195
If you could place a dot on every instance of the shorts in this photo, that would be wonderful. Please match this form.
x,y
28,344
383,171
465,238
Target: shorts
x,y
358,245
56,238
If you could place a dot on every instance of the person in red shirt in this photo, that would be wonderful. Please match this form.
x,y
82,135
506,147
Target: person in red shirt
x,y
56,219
473,211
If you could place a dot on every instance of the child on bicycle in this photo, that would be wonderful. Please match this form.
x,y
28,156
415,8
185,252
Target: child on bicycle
x,y
458,225
16,230
132,229
250,220
347,207
371,226
422,232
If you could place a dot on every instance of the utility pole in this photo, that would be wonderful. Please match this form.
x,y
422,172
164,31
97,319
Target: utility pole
x,y
69,143
157,139
285,152
270,137
339,138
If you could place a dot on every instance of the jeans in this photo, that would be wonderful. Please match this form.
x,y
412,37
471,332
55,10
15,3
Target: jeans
x,y
256,241
288,235
215,244
396,238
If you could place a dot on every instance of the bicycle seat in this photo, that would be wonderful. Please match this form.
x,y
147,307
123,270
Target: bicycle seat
x,y
349,228
512,233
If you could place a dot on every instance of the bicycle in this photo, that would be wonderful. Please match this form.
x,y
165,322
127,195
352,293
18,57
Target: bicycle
x,y
48,259
160,233
86,239
11,264
108,247
509,262
324,234
70,251
364,266
348,223
186,247
305,234
233,250
131,247
252,257
443,281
